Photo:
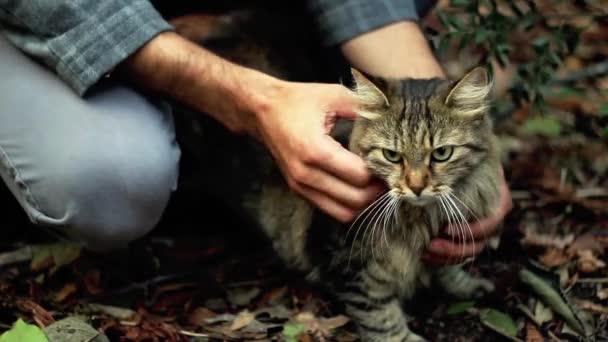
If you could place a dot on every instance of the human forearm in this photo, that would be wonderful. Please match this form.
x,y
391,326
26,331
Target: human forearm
x,y
174,66
397,50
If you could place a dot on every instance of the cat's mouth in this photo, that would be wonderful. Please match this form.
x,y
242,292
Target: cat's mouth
x,y
419,200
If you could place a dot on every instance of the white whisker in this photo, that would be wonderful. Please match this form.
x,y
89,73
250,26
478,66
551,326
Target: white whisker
x,y
375,206
457,221
464,220
464,205
375,225
386,194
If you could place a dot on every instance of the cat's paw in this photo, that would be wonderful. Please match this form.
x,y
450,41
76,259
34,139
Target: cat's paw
x,y
456,282
480,287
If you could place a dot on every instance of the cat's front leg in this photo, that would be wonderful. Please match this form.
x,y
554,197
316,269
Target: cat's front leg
x,y
375,308
459,283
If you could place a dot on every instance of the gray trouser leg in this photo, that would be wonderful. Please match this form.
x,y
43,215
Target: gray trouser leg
x,y
99,170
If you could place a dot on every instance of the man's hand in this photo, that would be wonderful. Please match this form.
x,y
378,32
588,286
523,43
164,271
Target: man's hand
x,y
443,251
296,126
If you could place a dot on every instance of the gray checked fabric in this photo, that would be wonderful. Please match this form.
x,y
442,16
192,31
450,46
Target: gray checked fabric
x,y
82,40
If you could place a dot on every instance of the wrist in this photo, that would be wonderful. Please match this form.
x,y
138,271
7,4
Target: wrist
x,y
258,96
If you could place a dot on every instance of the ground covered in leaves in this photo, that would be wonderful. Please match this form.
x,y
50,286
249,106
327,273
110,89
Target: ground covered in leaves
x,y
209,276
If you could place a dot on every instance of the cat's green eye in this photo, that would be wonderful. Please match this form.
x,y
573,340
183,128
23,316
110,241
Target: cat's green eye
x,y
392,156
443,153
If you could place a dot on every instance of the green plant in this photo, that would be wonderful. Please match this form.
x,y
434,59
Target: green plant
x,y
535,40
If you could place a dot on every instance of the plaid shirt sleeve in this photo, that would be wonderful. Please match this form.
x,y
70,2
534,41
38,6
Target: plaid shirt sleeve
x,y
341,20
81,40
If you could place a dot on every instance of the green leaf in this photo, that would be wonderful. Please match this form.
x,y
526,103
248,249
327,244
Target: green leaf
x,y
549,291
443,19
459,307
546,126
540,44
22,332
502,54
444,44
480,36
498,321
291,330
528,21
455,22
606,132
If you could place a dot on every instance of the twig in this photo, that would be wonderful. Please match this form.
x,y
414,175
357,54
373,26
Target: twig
x,y
193,334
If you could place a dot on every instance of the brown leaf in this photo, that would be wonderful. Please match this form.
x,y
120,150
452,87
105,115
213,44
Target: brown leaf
x,y
199,315
92,282
554,257
532,333
587,262
272,296
333,323
587,241
242,320
65,292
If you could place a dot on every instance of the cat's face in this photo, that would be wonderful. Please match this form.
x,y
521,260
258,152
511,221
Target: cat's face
x,y
423,137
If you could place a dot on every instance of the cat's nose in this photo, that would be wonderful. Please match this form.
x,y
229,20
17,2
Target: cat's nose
x,y
417,189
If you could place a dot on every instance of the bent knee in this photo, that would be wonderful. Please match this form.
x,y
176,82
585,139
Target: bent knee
x,y
105,197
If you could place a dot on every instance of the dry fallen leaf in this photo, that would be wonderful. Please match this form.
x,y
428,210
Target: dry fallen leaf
x,y
333,323
273,296
532,333
586,241
199,315
554,257
587,262
242,320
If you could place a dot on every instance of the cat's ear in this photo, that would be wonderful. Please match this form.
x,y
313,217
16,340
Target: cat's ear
x,y
368,94
471,95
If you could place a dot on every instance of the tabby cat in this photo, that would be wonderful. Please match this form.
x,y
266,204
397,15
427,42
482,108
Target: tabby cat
x,y
431,142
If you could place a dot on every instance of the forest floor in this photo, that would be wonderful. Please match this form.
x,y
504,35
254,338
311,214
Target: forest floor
x,y
207,276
